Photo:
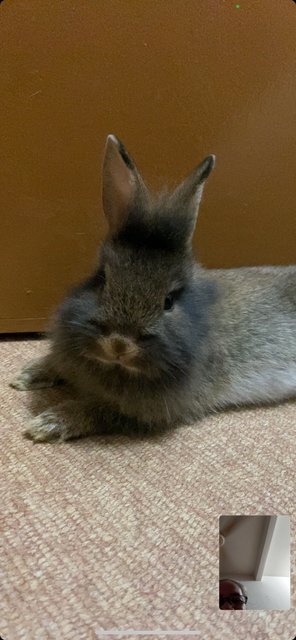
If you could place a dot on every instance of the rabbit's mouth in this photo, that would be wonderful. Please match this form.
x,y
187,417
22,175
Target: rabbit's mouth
x,y
120,362
117,351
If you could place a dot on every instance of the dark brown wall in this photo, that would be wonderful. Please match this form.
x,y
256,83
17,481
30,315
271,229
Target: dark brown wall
x,y
175,79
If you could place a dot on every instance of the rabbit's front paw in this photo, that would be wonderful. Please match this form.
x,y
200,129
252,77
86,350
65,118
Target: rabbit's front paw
x,y
33,376
45,427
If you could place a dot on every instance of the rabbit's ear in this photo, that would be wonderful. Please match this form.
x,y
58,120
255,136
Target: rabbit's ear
x,y
122,184
187,196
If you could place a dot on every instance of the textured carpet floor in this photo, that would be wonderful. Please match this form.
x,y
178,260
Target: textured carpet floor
x,y
112,534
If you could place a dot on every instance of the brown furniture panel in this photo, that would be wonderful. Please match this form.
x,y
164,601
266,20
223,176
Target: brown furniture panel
x,y
175,80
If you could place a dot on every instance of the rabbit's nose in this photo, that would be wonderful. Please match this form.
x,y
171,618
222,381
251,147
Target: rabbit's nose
x,y
120,348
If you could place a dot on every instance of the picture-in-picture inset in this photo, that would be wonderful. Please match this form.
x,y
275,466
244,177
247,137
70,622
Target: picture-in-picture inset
x,y
254,567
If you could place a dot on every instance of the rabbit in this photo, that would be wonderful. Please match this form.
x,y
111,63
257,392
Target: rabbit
x,y
152,340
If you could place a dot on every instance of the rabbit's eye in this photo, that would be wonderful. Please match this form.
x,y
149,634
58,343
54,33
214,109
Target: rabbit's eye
x,y
147,337
171,298
100,327
101,278
168,302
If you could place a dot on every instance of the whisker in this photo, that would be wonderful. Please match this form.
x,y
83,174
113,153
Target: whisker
x,y
167,409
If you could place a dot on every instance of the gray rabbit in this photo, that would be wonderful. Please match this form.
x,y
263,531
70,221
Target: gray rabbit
x,y
151,339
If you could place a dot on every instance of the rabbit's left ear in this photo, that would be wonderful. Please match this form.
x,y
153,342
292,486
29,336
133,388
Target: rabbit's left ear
x,y
186,198
122,184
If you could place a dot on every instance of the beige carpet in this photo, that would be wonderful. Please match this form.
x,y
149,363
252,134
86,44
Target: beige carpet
x,y
110,534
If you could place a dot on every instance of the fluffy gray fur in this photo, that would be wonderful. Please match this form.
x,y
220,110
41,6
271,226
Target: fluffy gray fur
x,y
151,339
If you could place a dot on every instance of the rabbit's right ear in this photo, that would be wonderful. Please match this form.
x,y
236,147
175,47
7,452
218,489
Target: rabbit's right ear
x,y
122,184
187,196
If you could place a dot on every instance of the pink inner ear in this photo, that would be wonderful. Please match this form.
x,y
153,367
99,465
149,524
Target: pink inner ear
x,y
119,186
